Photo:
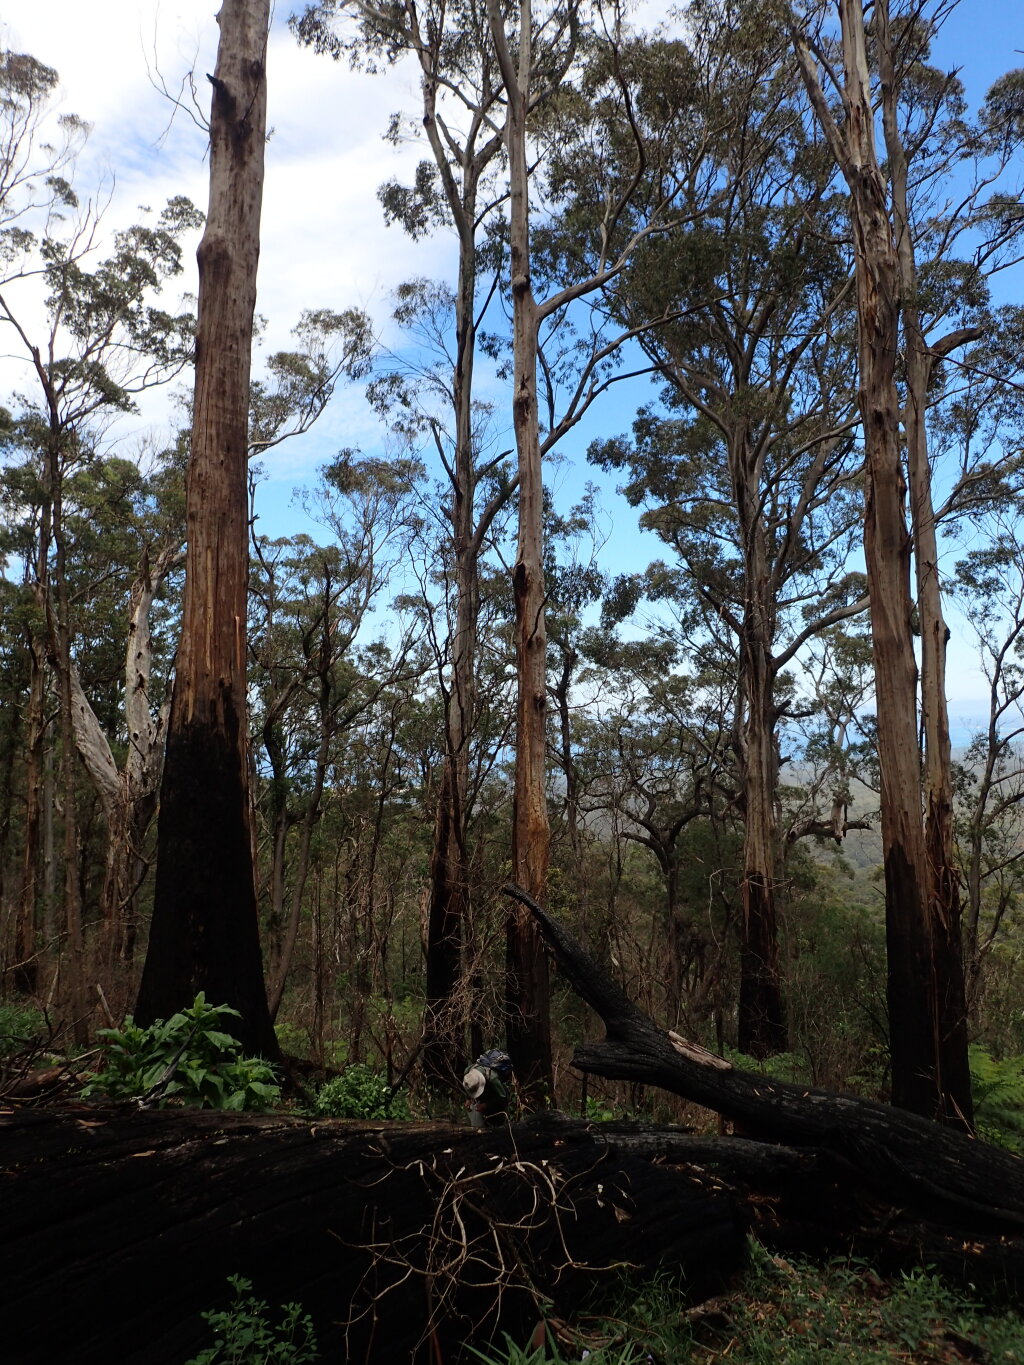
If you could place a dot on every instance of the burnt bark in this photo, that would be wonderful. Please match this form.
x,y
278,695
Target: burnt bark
x,y
405,1241
204,934
938,1180
401,1241
927,1021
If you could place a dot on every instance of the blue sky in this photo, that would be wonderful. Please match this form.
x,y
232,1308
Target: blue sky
x,y
324,242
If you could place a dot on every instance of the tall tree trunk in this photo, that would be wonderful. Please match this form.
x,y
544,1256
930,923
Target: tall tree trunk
x,y
527,1002
916,996
761,1022
25,972
58,614
448,910
953,1077
204,935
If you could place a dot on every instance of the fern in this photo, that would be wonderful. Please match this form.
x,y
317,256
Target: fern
x,y
998,1088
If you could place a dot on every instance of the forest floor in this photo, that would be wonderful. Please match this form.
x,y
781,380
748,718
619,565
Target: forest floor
x,y
792,1313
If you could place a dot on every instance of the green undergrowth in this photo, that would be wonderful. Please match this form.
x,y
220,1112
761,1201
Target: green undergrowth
x,y
997,1086
188,1059
789,1313
249,1332
360,1092
22,1030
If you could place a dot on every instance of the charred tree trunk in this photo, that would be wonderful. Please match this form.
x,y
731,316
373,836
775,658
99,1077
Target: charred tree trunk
x,y
460,169
935,1179
952,1072
25,969
204,934
444,1052
920,995
448,912
761,1016
402,1241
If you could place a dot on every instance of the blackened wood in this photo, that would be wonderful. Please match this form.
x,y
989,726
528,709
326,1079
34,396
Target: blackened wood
x,y
926,1170
204,934
121,1227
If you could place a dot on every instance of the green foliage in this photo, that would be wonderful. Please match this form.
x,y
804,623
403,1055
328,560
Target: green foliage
x,y
187,1059
998,1089
618,1353
783,1066
360,1093
244,1334
21,1027
789,1313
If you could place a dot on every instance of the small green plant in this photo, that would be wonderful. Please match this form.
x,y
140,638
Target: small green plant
x,y
244,1334
360,1093
187,1059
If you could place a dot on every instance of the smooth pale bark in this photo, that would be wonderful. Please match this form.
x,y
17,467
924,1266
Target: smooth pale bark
x,y
527,999
25,969
204,935
926,1066
127,795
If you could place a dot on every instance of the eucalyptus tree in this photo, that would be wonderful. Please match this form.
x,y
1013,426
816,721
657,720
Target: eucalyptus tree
x,y
924,247
455,189
748,469
567,350
204,932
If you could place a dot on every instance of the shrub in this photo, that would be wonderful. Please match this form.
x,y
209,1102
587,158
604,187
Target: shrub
x,y
360,1093
186,1059
243,1334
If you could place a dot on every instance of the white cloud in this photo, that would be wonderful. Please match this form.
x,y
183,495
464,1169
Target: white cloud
x,y
324,243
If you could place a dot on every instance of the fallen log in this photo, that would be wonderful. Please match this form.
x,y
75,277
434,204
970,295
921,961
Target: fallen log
x,y
402,1241
903,1188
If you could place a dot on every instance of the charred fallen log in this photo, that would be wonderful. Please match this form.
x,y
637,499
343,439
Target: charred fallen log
x,y
401,1240
900,1186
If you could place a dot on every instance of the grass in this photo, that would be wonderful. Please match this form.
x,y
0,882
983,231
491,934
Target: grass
x,y
790,1313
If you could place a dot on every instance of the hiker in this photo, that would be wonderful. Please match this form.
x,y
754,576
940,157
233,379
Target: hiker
x,y
487,1083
